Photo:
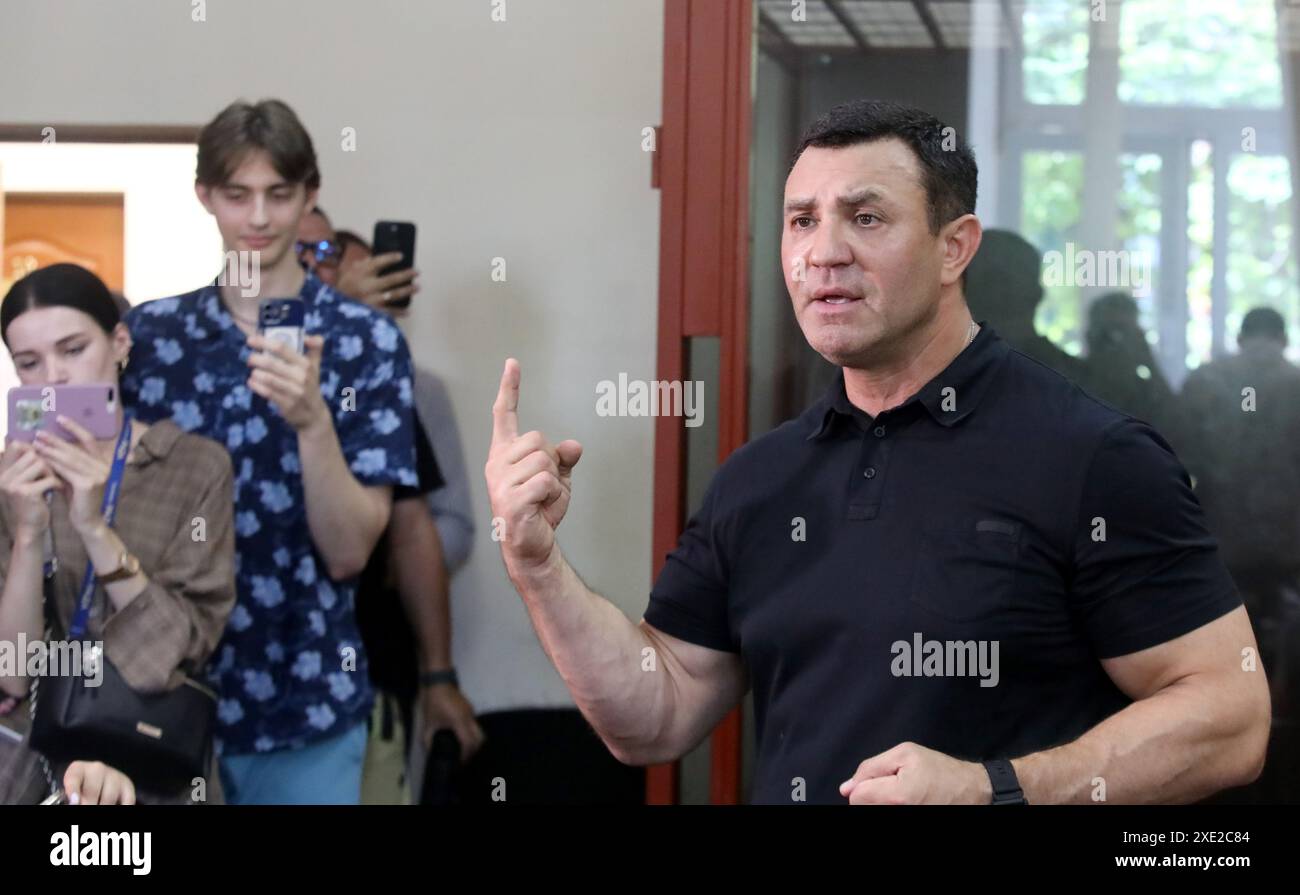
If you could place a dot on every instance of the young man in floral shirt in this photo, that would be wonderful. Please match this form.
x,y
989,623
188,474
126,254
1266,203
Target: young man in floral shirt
x,y
317,441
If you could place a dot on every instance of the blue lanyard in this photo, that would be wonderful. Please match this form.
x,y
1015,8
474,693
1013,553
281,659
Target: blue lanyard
x,y
109,508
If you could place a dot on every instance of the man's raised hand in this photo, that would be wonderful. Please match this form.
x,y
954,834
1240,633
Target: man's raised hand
x,y
528,479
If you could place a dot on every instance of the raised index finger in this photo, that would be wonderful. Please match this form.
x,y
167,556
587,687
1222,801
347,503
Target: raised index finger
x,y
505,416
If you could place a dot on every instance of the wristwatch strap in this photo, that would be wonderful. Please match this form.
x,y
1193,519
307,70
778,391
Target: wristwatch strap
x,y
1006,786
129,568
431,678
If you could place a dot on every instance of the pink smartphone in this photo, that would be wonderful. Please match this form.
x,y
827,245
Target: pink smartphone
x,y
35,407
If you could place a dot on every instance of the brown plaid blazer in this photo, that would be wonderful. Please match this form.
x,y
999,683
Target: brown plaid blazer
x,y
169,630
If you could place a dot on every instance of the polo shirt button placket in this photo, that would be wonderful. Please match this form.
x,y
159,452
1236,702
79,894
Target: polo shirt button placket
x,y
870,471
873,460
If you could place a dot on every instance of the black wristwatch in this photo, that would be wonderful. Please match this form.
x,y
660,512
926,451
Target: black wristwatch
x,y
432,678
1006,786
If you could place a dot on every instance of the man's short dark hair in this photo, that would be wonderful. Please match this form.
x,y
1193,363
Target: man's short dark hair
x,y
1264,322
269,125
948,171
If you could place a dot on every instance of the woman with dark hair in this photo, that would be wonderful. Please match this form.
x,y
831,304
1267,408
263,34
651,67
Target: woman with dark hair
x,y
161,567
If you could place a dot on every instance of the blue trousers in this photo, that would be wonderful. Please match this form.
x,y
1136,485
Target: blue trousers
x,y
327,772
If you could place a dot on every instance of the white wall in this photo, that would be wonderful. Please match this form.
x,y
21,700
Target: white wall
x,y
519,139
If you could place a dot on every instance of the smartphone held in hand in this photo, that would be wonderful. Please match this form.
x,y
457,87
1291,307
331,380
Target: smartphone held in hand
x,y
281,320
33,408
396,236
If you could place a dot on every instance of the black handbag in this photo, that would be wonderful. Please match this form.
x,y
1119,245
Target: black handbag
x,y
162,741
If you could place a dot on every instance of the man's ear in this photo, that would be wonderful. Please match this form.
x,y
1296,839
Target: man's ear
x,y
960,243
204,192
311,201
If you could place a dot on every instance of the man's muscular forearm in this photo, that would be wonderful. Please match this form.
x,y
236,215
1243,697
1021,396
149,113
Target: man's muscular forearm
x,y
599,655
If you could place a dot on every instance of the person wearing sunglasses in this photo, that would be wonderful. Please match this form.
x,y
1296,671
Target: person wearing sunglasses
x,y
321,256
404,591
356,275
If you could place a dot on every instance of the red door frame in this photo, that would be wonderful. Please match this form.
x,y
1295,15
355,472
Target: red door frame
x,y
703,172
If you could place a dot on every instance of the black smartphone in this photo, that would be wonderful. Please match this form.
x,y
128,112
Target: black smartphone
x,y
396,236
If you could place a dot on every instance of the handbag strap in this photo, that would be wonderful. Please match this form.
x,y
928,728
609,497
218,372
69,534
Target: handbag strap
x,y
52,626
33,686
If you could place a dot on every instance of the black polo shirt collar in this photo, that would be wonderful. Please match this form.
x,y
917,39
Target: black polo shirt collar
x,y
968,376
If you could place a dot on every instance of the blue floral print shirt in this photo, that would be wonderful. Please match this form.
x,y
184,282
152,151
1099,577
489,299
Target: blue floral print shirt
x,y
290,668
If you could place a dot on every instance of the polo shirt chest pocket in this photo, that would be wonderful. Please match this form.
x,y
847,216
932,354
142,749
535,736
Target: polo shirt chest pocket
x,y
966,571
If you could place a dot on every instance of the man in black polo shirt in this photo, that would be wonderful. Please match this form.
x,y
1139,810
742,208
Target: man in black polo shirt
x,y
957,578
